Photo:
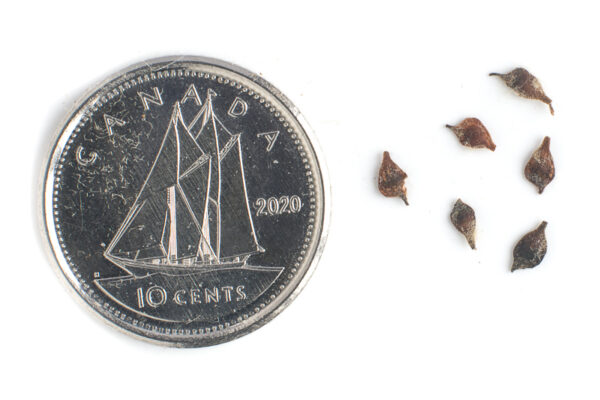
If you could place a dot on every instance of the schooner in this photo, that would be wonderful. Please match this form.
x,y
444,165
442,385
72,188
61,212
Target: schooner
x,y
192,211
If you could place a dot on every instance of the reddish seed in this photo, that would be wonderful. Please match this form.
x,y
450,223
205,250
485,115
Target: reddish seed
x,y
463,218
472,133
525,85
540,168
531,249
391,179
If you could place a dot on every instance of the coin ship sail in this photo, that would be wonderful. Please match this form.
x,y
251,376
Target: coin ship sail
x,y
192,211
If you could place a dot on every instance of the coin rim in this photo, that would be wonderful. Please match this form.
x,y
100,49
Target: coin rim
x,y
45,214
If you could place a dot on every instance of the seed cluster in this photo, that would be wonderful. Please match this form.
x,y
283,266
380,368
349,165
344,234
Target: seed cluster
x,y
531,248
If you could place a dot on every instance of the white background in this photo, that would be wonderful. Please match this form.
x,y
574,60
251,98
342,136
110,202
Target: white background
x,y
399,307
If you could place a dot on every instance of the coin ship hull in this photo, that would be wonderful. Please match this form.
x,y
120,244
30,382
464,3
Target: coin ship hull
x,y
137,267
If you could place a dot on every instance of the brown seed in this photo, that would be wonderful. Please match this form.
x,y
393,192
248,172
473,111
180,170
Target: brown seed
x,y
391,179
472,133
463,218
531,249
540,168
525,85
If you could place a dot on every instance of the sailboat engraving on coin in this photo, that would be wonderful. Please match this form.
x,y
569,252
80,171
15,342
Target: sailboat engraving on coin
x,y
184,186
184,222
185,202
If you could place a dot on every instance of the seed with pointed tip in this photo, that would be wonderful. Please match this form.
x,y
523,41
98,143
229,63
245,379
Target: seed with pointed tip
x,y
472,133
531,249
463,218
525,85
540,167
391,179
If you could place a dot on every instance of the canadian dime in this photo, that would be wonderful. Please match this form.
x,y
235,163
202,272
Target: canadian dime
x,y
185,202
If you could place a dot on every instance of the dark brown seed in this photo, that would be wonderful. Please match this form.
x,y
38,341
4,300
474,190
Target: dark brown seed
x,y
531,249
525,85
391,179
463,218
540,168
472,133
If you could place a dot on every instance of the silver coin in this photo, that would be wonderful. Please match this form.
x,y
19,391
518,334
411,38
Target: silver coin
x,y
185,202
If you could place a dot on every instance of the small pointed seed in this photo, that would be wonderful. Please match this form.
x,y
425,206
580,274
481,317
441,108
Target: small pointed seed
x,y
391,179
540,167
525,85
531,249
463,218
472,133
